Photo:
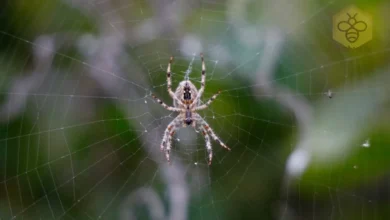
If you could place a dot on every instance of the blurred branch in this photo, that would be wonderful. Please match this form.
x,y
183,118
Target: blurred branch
x,y
44,48
168,16
43,54
298,105
301,109
272,39
145,196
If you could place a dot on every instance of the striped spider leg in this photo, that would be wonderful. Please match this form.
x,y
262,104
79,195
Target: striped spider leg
x,y
168,134
202,84
206,130
169,82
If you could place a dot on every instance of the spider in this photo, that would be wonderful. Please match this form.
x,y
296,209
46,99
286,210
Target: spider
x,y
186,101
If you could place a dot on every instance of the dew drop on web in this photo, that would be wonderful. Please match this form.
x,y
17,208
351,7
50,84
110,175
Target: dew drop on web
x,y
366,143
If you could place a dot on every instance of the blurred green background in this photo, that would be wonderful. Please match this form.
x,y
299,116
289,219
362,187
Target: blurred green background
x,y
80,134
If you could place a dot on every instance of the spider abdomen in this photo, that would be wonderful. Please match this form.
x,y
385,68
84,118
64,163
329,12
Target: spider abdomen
x,y
188,121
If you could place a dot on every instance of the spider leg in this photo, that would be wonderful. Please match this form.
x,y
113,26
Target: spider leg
x,y
207,127
208,145
203,79
202,82
169,108
204,106
169,82
169,144
168,134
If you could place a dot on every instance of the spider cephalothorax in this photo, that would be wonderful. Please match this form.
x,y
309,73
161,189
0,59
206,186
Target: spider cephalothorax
x,y
186,101
186,92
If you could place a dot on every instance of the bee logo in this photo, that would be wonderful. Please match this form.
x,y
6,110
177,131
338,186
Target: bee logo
x,y
352,27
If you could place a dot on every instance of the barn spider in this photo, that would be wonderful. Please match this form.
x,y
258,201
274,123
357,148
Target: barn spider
x,y
186,100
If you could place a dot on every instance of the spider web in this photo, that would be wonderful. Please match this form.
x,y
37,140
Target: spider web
x,y
80,133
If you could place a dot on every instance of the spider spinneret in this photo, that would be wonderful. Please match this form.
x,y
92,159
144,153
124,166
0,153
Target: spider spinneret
x,y
186,101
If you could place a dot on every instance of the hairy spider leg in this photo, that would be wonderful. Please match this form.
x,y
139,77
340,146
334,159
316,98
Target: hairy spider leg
x,y
207,127
169,144
169,82
168,134
208,145
202,83
203,79
169,108
207,104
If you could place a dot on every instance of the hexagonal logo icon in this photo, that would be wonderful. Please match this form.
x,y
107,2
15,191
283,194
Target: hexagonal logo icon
x,y
352,27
